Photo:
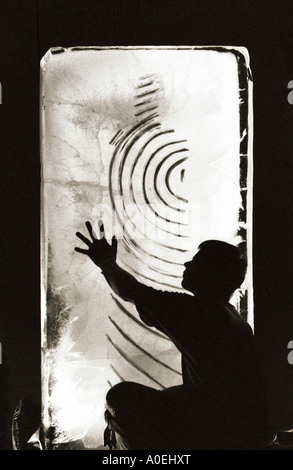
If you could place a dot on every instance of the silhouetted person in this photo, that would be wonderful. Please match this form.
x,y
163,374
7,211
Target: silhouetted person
x,y
220,404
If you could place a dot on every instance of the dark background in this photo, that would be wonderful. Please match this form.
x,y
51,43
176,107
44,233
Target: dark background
x,y
27,30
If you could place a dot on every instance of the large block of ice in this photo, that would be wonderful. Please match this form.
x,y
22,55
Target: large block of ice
x,y
157,143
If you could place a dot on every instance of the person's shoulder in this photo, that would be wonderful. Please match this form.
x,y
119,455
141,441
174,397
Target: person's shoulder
x,y
162,307
241,322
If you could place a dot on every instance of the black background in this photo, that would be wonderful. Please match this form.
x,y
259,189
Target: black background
x,y
28,29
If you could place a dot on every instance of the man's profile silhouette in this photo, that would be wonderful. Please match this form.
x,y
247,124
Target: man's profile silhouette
x,y
220,404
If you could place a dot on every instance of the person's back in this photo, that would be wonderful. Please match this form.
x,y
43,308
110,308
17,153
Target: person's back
x,y
232,378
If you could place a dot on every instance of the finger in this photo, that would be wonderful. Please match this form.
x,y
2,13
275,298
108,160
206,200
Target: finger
x,y
81,250
101,228
91,231
114,244
83,238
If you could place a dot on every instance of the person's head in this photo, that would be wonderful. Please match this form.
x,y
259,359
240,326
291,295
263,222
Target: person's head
x,y
216,270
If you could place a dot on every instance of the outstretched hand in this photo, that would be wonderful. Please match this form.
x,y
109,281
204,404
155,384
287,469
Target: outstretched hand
x,y
99,250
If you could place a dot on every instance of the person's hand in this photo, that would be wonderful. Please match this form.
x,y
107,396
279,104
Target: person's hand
x,y
99,250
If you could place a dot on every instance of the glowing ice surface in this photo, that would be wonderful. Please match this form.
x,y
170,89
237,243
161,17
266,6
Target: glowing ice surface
x,y
155,142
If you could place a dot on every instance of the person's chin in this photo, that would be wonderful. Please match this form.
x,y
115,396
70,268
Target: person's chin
x,y
184,284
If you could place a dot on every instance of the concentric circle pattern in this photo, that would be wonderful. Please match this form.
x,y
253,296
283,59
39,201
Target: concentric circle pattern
x,y
146,186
